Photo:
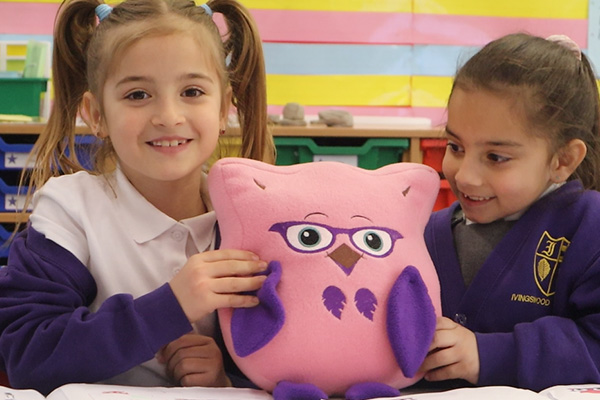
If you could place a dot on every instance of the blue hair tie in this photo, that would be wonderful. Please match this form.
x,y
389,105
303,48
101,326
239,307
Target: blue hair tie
x,y
207,10
103,11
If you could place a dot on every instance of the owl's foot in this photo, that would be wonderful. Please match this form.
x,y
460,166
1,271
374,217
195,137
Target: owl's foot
x,y
286,390
369,390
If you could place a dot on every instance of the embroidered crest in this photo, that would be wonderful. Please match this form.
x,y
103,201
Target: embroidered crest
x,y
548,256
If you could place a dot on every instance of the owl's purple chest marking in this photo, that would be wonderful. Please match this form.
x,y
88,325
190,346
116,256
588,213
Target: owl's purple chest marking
x,y
366,302
335,301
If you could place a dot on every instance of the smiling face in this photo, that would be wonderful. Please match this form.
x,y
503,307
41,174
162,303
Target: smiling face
x,y
495,165
162,109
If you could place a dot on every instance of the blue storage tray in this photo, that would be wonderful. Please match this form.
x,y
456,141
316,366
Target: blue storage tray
x,y
14,156
4,236
10,198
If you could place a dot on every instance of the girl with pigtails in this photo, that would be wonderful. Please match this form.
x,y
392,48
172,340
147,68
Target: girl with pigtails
x,y
116,278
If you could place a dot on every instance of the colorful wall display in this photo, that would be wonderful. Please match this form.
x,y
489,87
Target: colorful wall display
x,y
369,57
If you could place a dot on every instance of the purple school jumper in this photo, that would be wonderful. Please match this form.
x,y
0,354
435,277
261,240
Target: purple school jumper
x,y
44,294
535,303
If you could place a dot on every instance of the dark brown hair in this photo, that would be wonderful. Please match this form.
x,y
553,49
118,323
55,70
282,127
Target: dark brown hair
x,y
84,51
556,89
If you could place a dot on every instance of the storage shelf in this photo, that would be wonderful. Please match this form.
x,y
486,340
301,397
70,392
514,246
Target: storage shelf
x,y
414,136
10,217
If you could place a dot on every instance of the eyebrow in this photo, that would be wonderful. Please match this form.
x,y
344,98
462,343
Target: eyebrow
x,y
507,143
141,78
449,132
361,216
315,213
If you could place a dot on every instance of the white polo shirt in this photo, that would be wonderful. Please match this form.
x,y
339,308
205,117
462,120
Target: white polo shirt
x,y
128,245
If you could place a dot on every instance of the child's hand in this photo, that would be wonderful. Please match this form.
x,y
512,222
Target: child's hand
x,y
215,279
453,353
194,360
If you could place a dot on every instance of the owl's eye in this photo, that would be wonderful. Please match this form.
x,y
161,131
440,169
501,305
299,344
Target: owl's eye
x,y
308,238
375,242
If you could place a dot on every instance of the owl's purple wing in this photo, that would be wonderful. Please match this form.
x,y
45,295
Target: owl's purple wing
x,y
410,320
252,328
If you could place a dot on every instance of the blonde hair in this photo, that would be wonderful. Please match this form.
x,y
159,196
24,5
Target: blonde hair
x,y
84,52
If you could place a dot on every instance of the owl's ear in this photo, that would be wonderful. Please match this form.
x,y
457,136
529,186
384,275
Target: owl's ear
x,y
416,187
410,320
252,328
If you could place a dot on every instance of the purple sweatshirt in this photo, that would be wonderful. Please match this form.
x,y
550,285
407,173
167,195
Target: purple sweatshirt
x,y
535,303
49,337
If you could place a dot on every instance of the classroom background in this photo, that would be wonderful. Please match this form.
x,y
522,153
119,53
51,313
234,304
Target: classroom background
x,y
376,58
383,60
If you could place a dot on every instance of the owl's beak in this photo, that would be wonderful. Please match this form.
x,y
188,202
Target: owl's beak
x,y
345,258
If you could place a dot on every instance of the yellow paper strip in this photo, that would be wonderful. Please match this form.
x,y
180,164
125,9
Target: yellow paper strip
x,y
430,91
339,90
16,50
434,91
571,9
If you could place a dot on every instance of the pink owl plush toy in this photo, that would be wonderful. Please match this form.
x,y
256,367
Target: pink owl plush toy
x,y
350,302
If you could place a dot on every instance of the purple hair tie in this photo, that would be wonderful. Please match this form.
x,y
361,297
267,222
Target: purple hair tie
x,y
207,10
103,11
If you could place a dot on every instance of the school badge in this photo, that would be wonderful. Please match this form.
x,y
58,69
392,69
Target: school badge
x,y
548,256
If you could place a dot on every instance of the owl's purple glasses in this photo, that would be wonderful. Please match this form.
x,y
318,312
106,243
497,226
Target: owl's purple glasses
x,y
310,237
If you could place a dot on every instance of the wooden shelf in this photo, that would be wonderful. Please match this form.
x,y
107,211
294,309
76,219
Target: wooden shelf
x,y
358,131
10,217
369,131
382,131
32,129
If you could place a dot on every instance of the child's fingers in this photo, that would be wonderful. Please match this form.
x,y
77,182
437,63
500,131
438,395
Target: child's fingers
x,y
454,354
199,283
437,359
449,364
229,267
442,323
443,373
236,301
226,254
444,335
188,341
195,360
232,285
441,340
235,268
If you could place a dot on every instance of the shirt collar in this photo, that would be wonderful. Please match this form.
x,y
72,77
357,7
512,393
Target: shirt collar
x,y
145,222
202,229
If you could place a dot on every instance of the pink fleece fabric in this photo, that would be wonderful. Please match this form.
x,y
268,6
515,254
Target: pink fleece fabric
x,y
349,268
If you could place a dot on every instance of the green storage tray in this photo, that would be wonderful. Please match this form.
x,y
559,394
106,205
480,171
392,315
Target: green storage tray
x,y
369,153
21,95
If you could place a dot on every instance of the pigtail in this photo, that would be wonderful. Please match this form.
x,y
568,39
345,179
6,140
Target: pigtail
x,y
54,151
75,25
248,79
